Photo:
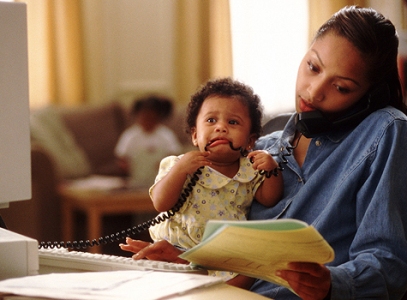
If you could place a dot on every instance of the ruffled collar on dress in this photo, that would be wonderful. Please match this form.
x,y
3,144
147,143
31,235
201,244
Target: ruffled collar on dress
x,y
210,178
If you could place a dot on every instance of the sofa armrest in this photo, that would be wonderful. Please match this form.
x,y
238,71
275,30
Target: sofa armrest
x,y
39,217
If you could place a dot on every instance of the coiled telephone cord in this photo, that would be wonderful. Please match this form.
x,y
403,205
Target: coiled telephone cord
x,y
129,231
162,217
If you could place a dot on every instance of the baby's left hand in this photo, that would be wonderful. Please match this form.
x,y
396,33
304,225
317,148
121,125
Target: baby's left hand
x,y
262,160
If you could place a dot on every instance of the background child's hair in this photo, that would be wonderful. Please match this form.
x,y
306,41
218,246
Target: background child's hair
x,y
160,104
226,87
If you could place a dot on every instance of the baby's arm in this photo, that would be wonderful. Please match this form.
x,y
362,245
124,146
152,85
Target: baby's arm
x,y
166,192
271,189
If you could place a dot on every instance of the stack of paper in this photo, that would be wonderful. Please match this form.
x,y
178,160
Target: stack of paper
x,y
259,248
123,285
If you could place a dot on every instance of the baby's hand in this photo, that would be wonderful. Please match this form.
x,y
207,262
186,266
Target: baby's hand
x,y
262,160
193,160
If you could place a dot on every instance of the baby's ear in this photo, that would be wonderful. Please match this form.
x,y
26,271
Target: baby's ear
x,y
251,142
193,136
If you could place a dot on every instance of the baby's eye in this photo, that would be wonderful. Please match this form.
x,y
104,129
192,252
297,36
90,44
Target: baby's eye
x,y
233,122
211,120
312,67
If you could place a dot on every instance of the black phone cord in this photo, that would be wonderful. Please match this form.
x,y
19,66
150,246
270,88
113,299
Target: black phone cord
x,y
162,217
130,231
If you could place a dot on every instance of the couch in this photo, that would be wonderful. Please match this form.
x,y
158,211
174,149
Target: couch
x,y
66,144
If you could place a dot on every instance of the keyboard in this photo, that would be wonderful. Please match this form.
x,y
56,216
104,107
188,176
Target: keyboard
x,y
60,260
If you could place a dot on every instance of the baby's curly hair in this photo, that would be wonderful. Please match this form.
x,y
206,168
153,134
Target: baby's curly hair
x,y
226,87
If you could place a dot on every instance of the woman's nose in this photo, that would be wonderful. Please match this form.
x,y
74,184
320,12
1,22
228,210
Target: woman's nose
x,y
316,91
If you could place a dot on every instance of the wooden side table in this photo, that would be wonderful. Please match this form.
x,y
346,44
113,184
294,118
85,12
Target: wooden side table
x,y
96,203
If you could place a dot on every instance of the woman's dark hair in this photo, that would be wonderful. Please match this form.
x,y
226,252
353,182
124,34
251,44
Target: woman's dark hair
x,y
376,38
226,87
160,104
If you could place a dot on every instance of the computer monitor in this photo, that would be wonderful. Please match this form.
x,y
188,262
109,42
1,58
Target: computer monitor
x,y
15,161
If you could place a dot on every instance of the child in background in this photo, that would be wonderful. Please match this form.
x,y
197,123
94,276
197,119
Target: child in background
x,y
142,146
224,120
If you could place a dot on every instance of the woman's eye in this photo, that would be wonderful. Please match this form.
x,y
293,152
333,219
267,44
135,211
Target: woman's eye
x,y
312,67
342,90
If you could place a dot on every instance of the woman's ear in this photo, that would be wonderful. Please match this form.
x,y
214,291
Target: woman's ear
x,y
194,137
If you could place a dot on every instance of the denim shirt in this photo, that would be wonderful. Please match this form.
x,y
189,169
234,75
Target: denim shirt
x,y
352,187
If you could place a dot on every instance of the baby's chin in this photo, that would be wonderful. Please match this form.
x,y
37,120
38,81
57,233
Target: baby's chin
x,y
222,157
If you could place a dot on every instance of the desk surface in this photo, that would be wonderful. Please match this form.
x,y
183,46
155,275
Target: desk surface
x,y
45,286
219,291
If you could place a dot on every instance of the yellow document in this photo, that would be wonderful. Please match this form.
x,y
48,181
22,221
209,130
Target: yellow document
x,y
259,248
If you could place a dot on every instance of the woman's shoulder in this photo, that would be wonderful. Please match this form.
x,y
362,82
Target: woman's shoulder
x,y
391,113
384,124
385,117
269,140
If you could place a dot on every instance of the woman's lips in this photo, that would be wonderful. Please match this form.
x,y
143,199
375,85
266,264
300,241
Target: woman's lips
x,y
304,106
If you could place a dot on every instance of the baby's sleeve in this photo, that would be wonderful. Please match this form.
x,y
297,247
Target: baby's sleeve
x,y
165,166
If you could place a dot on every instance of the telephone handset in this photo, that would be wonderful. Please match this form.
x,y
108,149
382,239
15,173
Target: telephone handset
x,y
315,123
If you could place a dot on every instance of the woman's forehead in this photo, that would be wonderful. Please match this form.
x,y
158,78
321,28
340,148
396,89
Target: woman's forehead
x,y
340,56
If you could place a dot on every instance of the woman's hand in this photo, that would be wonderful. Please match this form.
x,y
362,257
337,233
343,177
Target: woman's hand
x,y
241,281
161,250
310,281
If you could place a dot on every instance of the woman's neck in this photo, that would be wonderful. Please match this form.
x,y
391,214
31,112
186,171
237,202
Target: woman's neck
x,y
301,144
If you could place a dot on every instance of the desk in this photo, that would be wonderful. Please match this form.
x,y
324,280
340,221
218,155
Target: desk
x,y
218,291
97,203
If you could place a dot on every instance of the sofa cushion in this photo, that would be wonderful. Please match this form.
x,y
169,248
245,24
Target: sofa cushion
x,y
97,129
50,132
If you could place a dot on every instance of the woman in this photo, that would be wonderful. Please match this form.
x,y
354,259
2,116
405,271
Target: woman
x,y
348,180
345,153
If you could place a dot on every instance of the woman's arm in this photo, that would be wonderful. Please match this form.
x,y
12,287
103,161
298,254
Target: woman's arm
x,y
378,253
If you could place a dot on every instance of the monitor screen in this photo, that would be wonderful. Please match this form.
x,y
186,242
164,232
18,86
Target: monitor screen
x,y
15,165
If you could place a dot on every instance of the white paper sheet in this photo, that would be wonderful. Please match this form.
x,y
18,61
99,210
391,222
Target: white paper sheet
x,y
124,285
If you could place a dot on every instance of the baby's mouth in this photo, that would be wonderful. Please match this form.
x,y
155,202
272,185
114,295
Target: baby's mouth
x,y
216,142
